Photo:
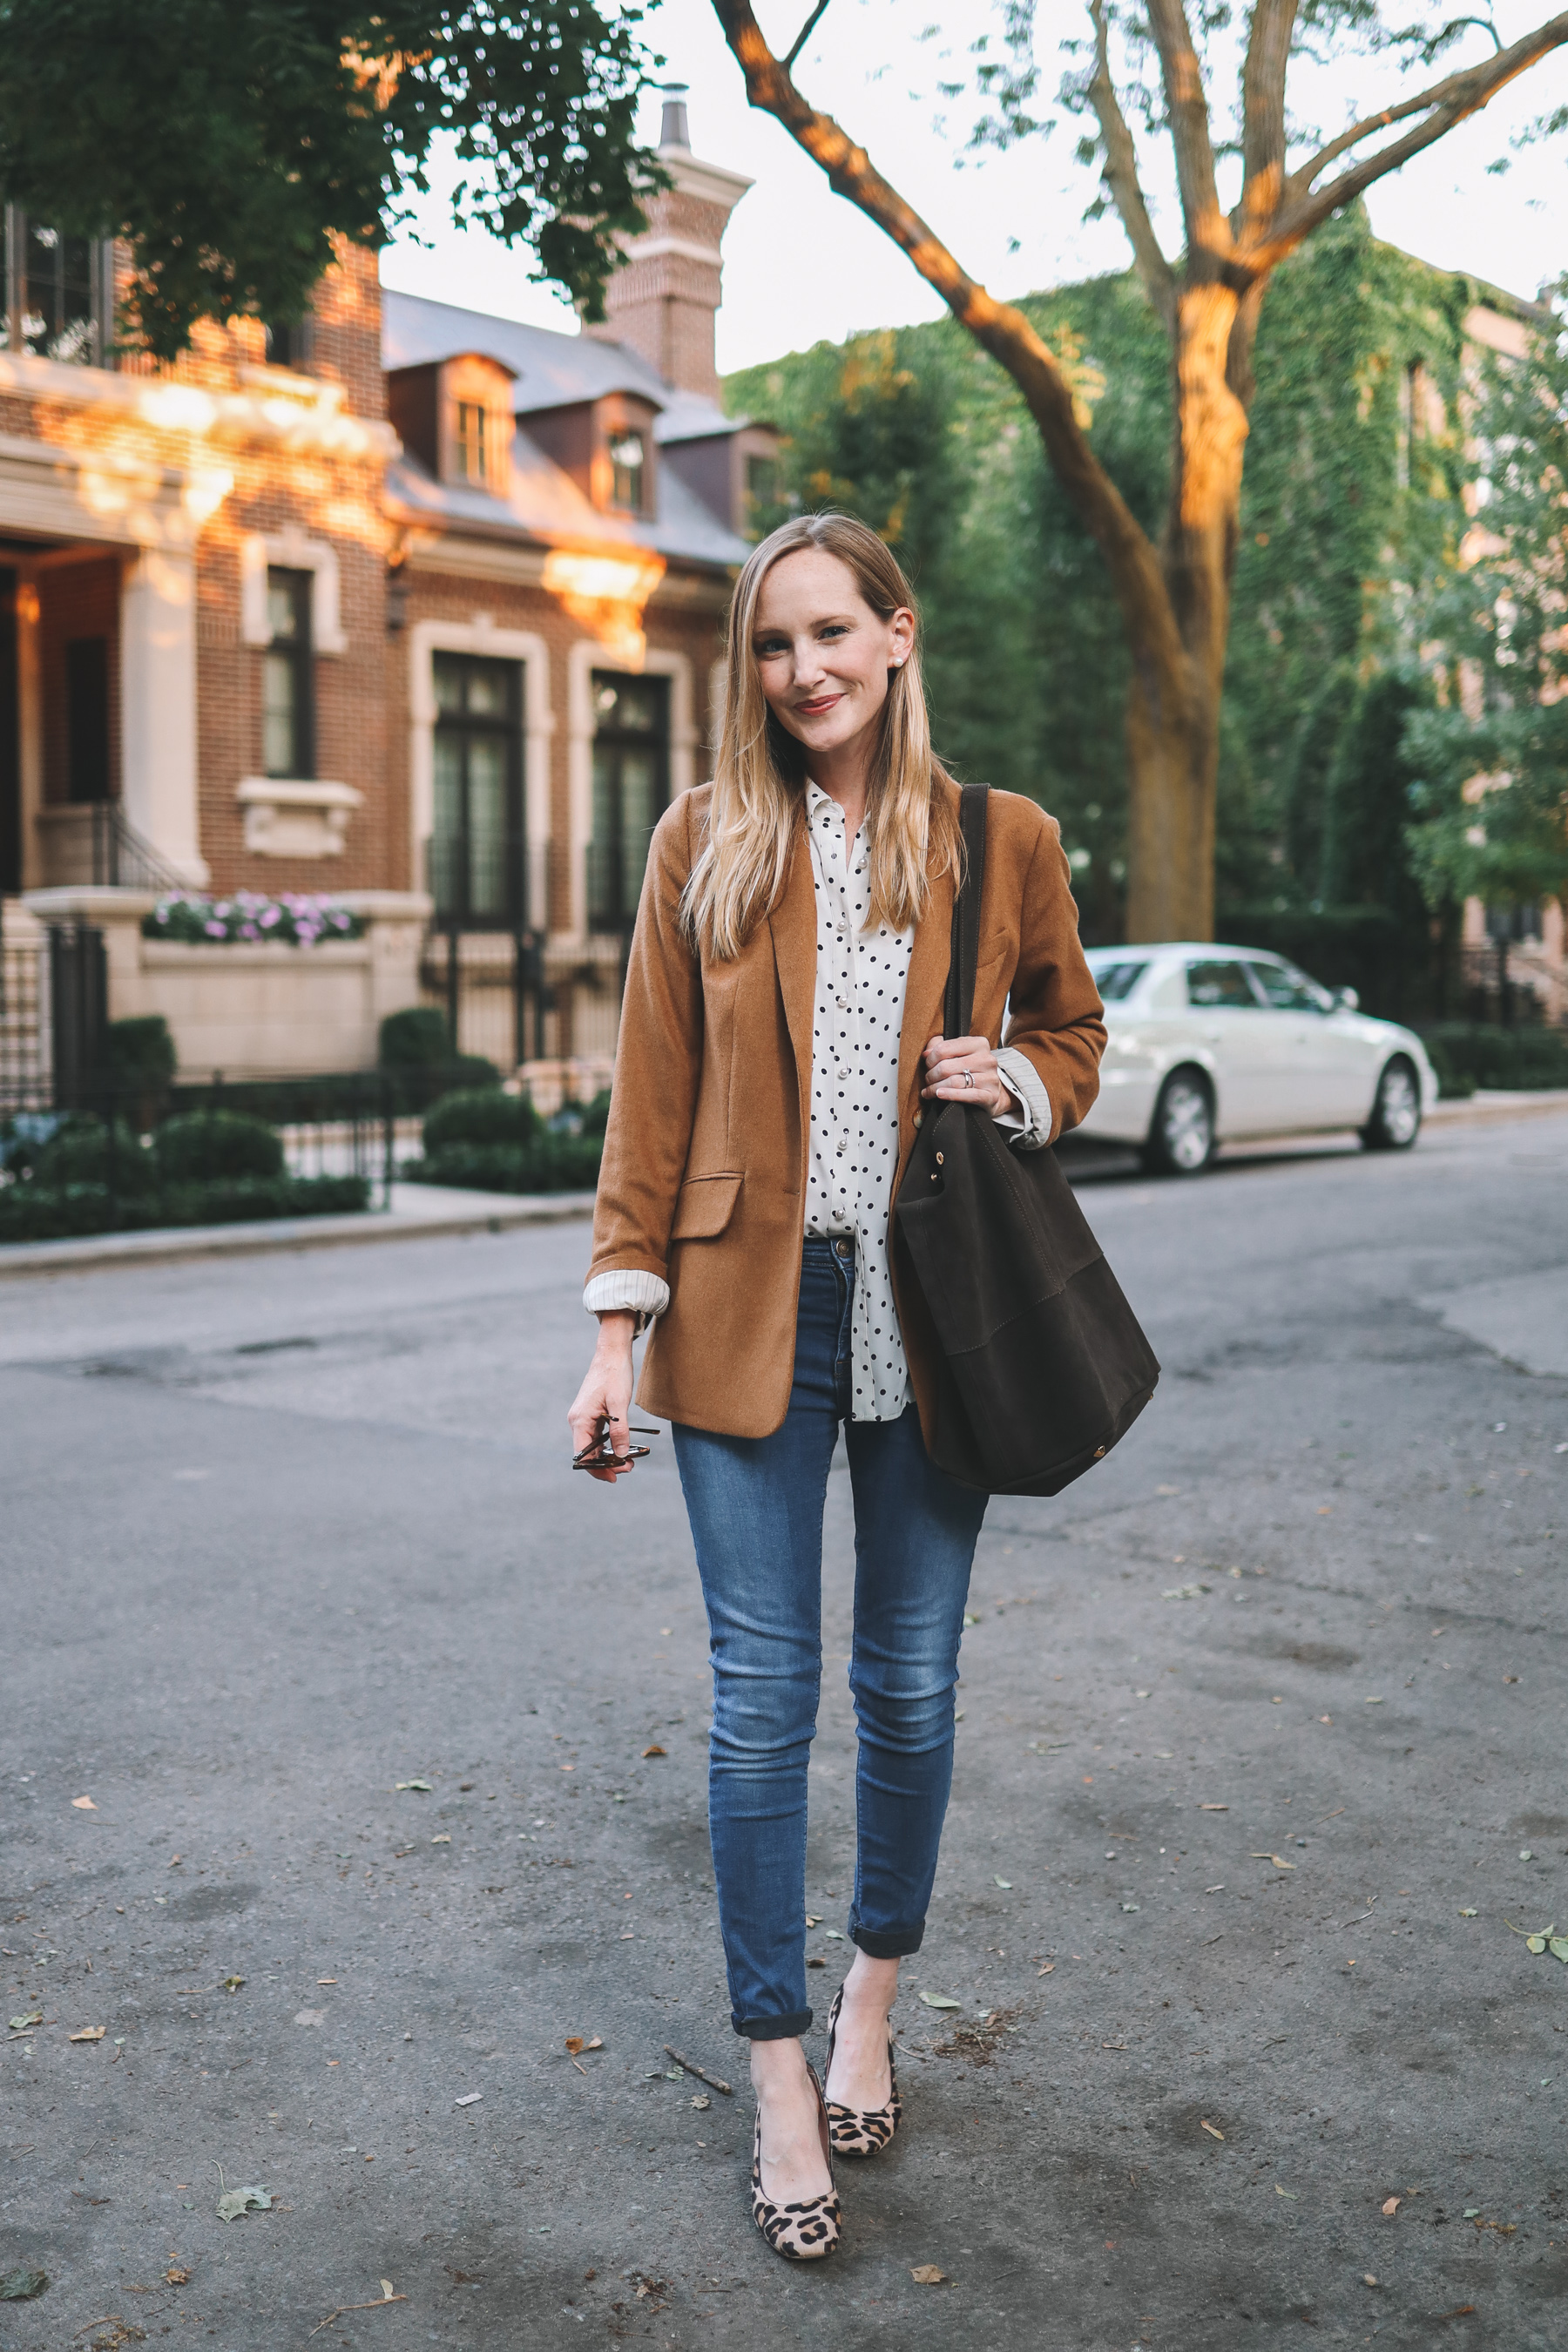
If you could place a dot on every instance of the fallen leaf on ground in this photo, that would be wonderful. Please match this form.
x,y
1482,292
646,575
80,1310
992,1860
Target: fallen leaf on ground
x,y
811,1921
835,1934
21,2024
1558,1947
1214,1808
22,2285
320,1981
469,2099
232,1984
929,2274
1374,1702
1005,1885
654,1749
1048,1966
442,1837
422,1786
702,2103
1468,1915
1277,1858
574,2043
1367,2279
243,2201
940,2001
815,1963
177,2277
970,1618
84,1805
89,2034
1391,2205
1213,2130
1285,2192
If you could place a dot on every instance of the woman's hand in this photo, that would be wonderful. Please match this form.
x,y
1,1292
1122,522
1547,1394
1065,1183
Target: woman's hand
x,y
952,1063
605,1394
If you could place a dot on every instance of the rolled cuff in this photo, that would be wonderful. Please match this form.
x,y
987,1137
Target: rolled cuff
x,y
773,2029
896,1944
627,1290
1029,1126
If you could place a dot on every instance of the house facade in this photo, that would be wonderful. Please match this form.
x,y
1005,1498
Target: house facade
x,y
412,605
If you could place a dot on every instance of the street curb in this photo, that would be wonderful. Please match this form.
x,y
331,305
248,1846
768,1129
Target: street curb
x,y
493,1212
1489,1107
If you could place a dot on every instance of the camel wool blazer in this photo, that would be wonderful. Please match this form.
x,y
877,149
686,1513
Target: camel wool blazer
x,y
703,1177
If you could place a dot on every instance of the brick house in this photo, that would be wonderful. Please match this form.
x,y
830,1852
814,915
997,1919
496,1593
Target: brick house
x,y
414,605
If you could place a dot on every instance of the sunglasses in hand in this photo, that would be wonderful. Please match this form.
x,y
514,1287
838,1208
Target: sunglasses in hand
x,y
601,1453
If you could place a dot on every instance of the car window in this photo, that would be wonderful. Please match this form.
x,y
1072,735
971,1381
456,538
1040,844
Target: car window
x,y
1220,983
1116,981
1290,991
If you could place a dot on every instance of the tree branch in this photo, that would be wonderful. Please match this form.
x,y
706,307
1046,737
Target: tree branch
x,y
1263,114
1446,104
1003,332
1208,232
805,33
1121,178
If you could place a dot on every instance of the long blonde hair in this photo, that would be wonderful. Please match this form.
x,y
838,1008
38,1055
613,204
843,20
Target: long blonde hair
x,y
759,773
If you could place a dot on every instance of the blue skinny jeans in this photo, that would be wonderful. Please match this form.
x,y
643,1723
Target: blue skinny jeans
x,y
755,1506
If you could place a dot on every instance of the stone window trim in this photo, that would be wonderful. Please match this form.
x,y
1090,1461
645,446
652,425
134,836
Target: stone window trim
x,y
480,636
296,817
290,550
583,659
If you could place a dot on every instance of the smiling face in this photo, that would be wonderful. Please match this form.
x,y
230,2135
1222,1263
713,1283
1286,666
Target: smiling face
x,y
822,655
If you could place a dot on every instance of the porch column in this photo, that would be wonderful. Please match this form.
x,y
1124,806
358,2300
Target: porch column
x,y
29,724
158,705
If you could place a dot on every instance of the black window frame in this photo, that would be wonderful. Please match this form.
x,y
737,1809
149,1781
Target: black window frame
x,y
605,909
620,472
451,871
98,349
297,651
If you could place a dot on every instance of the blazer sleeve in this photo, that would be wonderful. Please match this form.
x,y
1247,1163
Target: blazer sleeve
x,y
1055,1007
659,1061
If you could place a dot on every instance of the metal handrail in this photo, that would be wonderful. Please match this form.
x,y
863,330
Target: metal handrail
x,y
121,859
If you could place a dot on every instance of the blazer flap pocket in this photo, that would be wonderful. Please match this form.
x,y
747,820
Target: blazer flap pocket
x,y
704,1207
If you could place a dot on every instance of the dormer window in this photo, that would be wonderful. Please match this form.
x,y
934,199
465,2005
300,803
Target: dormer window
x,y
455,415
473,443
627,462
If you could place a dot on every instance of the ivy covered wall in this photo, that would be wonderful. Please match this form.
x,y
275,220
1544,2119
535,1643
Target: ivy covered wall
x,y
1352,482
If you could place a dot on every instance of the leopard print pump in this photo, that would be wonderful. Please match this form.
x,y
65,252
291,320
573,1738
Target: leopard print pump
x,y
861,2131
807,2231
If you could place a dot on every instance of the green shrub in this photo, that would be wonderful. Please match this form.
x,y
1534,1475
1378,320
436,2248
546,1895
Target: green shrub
x,y
595,1118
481,1115
209,1144
79,1153
414,1038
36,1213
141,1048
547,1163
1489,1055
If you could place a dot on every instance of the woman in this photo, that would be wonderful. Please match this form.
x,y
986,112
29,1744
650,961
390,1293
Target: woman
x,y
777,1041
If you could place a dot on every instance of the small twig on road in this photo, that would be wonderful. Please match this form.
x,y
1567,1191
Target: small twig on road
x,y
711,2080
379,2303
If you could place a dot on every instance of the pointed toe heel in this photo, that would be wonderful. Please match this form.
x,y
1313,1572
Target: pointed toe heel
x,y
860,2132
809,2230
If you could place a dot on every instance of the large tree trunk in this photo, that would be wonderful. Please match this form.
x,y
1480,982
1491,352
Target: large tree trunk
x,y
1172,715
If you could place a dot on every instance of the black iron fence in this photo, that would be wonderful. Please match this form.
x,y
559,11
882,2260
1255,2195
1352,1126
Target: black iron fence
x,y
125,1150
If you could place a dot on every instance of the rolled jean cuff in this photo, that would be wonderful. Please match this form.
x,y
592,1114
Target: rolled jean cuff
x,y
773,2029
895,1946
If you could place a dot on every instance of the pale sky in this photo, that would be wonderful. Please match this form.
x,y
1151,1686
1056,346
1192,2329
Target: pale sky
x,y
801,264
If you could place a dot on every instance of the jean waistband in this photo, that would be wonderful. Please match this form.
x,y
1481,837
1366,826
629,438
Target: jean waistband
x,y
818,1248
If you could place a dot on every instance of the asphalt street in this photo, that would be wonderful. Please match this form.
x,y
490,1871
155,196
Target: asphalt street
x,y
353,1759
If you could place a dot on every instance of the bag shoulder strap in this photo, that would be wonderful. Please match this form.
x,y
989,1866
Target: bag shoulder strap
x,y
964,954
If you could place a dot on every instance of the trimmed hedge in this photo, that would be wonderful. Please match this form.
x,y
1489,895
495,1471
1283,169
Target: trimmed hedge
x,y
35,1212
1488,1055
205,1146
547,1163
481,1115
79,1153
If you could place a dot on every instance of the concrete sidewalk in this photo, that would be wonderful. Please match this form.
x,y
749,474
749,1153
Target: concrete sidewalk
x,y
419,1212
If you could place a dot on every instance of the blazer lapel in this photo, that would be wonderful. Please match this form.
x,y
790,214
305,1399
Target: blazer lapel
x,y
792,924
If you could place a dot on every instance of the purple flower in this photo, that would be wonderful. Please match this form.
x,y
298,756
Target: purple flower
x,y
216,930
268,916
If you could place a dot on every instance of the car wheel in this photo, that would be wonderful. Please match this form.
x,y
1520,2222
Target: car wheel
x,y
1395,1120
1180,1136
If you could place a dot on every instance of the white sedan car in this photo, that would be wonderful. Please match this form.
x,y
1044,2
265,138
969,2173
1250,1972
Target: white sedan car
x,y
1210,1044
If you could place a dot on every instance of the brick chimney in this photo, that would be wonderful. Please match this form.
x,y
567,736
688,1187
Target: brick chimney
x,y
663,299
